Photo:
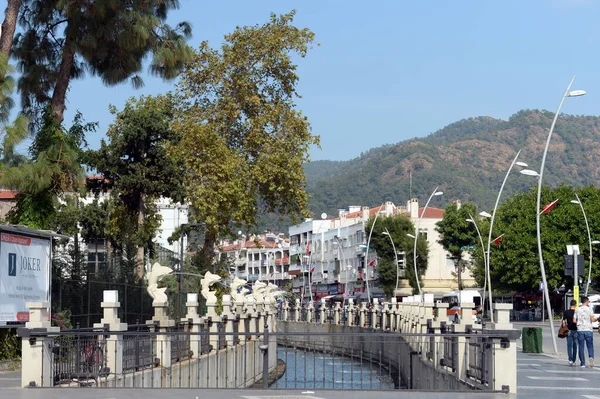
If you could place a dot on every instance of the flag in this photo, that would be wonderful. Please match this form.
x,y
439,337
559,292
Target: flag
x,y
372,262
307,248
498,239
313,269
547,208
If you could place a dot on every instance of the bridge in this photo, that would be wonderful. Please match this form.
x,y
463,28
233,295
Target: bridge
x,y
252,343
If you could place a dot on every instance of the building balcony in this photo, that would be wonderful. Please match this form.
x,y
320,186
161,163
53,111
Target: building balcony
x,y
252,277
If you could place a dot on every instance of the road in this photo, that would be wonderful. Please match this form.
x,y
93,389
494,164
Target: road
x,y
539,375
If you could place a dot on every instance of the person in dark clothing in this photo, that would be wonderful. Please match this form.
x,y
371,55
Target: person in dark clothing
x,y
572,337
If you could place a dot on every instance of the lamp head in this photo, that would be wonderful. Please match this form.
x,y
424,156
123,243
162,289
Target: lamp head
x,y
470,220
595,242
437,193
485,214
410,235
576,93
522,164
385,233
575,202
529,172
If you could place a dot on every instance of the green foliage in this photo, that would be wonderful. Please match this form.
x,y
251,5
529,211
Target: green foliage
x,y
10,345
242,140
62,319
61,39
398,227
456,233
515,263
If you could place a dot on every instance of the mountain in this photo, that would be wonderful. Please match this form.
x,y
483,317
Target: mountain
x,y
467,160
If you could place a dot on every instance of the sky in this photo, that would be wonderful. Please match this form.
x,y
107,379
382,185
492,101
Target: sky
x,y
389,71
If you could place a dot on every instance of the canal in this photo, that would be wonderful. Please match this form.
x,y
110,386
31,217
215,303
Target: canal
x,y
315,370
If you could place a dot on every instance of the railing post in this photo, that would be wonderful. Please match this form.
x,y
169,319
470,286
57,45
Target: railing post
x,y
228,316
251,315
286,311
163,341
297,310
265,348
193,317
322,310
337,309
375,313
114,343
503,351
311,313
36,351
363,314
351,312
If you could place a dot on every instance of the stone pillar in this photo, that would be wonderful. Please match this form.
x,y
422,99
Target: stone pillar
x,y
228,317
36,351
375,313
363,314
215,319
251,315
286,311
162,323
194,319
310,313
337,309
297,310
114,343
260,314
466,312
505,350
351,311
322,311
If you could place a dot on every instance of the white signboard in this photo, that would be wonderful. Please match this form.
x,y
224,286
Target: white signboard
x,y
24,274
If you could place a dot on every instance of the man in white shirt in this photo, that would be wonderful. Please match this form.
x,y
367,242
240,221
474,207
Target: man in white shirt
x,y
584,318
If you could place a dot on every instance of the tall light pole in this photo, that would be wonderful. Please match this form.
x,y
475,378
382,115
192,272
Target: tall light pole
x,y
587,226
387,233
568,93
485,260
434,193
367,255
486,255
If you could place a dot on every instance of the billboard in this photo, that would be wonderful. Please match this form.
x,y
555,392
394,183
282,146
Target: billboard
x,y
24,274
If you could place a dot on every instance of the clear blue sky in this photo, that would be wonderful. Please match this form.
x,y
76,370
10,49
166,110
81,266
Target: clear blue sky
x,y
388,71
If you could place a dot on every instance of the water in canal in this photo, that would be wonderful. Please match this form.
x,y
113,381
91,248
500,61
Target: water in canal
x,y
309,369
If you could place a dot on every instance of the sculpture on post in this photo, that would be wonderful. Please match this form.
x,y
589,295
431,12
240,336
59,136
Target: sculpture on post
x,y
153,277
206,283
258,291
272,292
238,290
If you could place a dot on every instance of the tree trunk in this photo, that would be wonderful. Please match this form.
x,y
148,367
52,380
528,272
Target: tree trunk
x,y
64,75
139,259
8,26
208,251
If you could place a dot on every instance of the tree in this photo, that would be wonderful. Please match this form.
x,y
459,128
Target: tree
x,y
8,26
515,262
398,227
456,234
135,166
109,38
242,140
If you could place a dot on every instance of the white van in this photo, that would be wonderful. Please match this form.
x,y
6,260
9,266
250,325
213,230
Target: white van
x,y
595,306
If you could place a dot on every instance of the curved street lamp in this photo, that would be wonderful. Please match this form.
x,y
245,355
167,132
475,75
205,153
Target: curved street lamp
x,y
488,281
416,236
367,254
587,226
568,93
485,260
387,233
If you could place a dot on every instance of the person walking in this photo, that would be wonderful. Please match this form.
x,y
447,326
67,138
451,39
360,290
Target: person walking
x,y
567,320
584,318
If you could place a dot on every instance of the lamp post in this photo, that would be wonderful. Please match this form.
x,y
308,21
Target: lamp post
x,y
367,255
434,193
492,217
568,93
387,233
587,226
485,260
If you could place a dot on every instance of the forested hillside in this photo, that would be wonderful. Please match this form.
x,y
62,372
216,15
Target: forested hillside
x,y
467,159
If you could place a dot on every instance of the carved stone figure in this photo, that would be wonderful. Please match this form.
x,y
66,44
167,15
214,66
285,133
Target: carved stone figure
x,y
153,277
238,291
258,291
208,294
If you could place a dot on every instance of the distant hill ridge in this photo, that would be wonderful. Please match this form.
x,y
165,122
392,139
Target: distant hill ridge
x,y
467,159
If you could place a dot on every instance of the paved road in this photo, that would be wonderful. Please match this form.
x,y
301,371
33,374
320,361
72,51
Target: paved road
x,y
539,375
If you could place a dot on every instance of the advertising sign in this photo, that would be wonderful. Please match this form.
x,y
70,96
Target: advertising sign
x,y
24,274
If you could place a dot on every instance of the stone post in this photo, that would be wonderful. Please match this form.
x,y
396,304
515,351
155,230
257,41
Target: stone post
x,y
505,350
310,313
228,317
322,310
211,314
114,343
375,313
350,312
251,315
286,311
36,352
337,309
363,315
260,314
297,310
194,319
162,323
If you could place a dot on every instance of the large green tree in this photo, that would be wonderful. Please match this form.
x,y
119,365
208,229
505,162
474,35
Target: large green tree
x,y
398,228
242,139
515,262
456,234
61,39
138,171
